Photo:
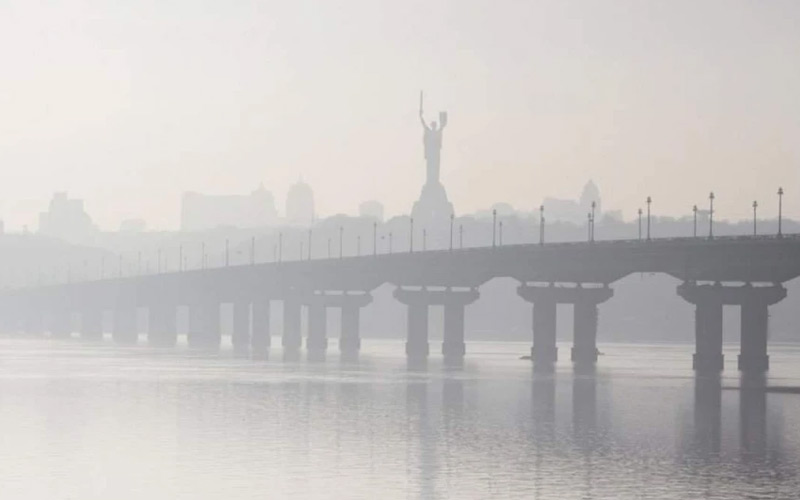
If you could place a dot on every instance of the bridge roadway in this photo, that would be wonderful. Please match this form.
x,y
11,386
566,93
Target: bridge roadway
x,y
743,271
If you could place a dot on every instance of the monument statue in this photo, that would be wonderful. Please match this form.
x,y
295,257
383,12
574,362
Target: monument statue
x,y
432,141
432,211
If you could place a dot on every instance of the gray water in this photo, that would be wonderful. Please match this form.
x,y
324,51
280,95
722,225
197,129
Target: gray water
x,y
97,422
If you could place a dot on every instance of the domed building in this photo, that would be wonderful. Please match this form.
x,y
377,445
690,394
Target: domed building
x,y
591,194
574,211
300,204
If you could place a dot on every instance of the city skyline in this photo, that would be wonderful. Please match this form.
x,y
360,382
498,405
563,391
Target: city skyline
x,y
265,98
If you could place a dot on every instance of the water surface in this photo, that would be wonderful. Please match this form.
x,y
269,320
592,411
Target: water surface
x,y
85,421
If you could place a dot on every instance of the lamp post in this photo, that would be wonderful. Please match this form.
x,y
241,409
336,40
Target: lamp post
x,y
424,239
640,224
711,215
755,227
452,216
649,201
461,236
694,211
594,206
411,237
589,227
780,212
500,242
494,228
541,224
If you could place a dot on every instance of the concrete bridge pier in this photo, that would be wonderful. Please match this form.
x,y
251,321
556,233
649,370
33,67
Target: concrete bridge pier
x,y
584,343
204,326
33,323
317,341
241,337
754,302
544,350
125,329
60,326
453,346
584,300
708,301
162,327
755,325
92,324
350,340
260,339
417,302
292,336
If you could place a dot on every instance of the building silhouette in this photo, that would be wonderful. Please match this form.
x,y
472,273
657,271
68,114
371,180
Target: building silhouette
x,y
300,204
66,219
575,211
372,209
201,211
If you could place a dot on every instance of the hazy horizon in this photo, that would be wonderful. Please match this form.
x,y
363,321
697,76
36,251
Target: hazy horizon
x,y
128,106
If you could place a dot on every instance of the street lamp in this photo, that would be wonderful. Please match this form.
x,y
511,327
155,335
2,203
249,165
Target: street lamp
x,y
501,234
452,216
780,212
640,224
649,201
494,227
694,210
461,236
541,224
594,205
755,228
711,215
411,237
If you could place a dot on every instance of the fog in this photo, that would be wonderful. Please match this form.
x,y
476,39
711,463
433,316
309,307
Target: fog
x,y
129,105
443,249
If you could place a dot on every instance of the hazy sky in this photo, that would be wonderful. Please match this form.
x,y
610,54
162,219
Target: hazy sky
x,y
128,104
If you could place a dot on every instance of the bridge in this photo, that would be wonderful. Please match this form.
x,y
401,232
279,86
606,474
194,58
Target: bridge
x,y
748,272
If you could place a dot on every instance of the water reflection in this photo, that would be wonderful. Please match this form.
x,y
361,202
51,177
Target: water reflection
x,y
201,427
